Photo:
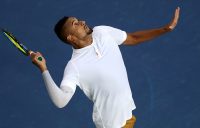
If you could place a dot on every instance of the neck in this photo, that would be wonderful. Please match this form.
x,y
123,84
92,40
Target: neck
x,y
83,43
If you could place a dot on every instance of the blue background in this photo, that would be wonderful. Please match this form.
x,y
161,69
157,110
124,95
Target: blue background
x,y
164,73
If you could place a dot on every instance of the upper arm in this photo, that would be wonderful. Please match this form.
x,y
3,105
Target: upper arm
x,y
120,36
130,40
116,34
70,77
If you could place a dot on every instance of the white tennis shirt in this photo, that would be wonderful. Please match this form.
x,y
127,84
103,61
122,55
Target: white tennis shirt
x,y
99,70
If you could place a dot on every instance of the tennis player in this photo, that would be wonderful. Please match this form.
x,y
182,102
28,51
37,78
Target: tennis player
x,y
98,69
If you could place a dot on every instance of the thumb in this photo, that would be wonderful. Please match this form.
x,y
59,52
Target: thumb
x,y
32,54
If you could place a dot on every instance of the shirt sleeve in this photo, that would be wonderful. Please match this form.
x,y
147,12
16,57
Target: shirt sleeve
x,y
118,35
70,77
59,96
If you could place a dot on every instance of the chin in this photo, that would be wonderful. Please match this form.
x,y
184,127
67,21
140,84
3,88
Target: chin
x,y
90,31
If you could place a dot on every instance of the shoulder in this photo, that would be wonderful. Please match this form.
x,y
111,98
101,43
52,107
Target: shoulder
x,y
101,28
70,68
108,29
69,65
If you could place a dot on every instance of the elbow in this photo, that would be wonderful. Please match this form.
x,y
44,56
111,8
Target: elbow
x,y
131,40
61,102
60,105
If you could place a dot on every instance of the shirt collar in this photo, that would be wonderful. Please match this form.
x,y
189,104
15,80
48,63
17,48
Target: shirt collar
x,y
84,48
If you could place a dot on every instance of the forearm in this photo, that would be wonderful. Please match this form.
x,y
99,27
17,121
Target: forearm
x,y
59,97
146,35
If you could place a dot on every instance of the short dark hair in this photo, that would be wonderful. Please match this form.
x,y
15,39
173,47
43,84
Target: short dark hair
x,y
59,28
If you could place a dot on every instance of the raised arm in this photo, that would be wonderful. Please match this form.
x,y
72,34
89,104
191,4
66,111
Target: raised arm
x,y
59,96
145,35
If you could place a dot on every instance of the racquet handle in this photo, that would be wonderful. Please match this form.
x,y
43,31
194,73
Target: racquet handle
x,y
39,58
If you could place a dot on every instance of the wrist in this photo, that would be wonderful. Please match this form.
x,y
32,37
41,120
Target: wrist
x,y
167,28
43,69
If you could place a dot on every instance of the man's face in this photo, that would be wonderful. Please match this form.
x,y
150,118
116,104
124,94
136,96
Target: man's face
x,y
77,28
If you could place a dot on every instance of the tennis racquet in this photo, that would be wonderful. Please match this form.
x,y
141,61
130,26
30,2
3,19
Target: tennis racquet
x,y
22,48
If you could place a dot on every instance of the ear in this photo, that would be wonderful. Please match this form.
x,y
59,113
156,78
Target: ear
x,y
72,38
69,38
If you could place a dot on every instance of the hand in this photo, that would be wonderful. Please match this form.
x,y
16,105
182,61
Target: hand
x,y
40,64
173,23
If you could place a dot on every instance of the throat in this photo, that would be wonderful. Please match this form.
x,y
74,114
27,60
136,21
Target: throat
x,y
83,43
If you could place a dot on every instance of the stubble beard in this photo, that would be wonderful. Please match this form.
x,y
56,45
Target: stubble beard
x,y
89,31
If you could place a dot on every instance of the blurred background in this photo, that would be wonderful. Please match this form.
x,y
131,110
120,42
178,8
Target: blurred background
x,y
164,73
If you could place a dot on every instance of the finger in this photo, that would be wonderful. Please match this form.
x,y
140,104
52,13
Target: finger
x,y
32,55
178,8
30,52
178,11
35,56
39,54
176,16
175,19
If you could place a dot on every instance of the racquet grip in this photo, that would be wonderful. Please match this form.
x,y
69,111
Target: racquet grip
x,y
39,58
